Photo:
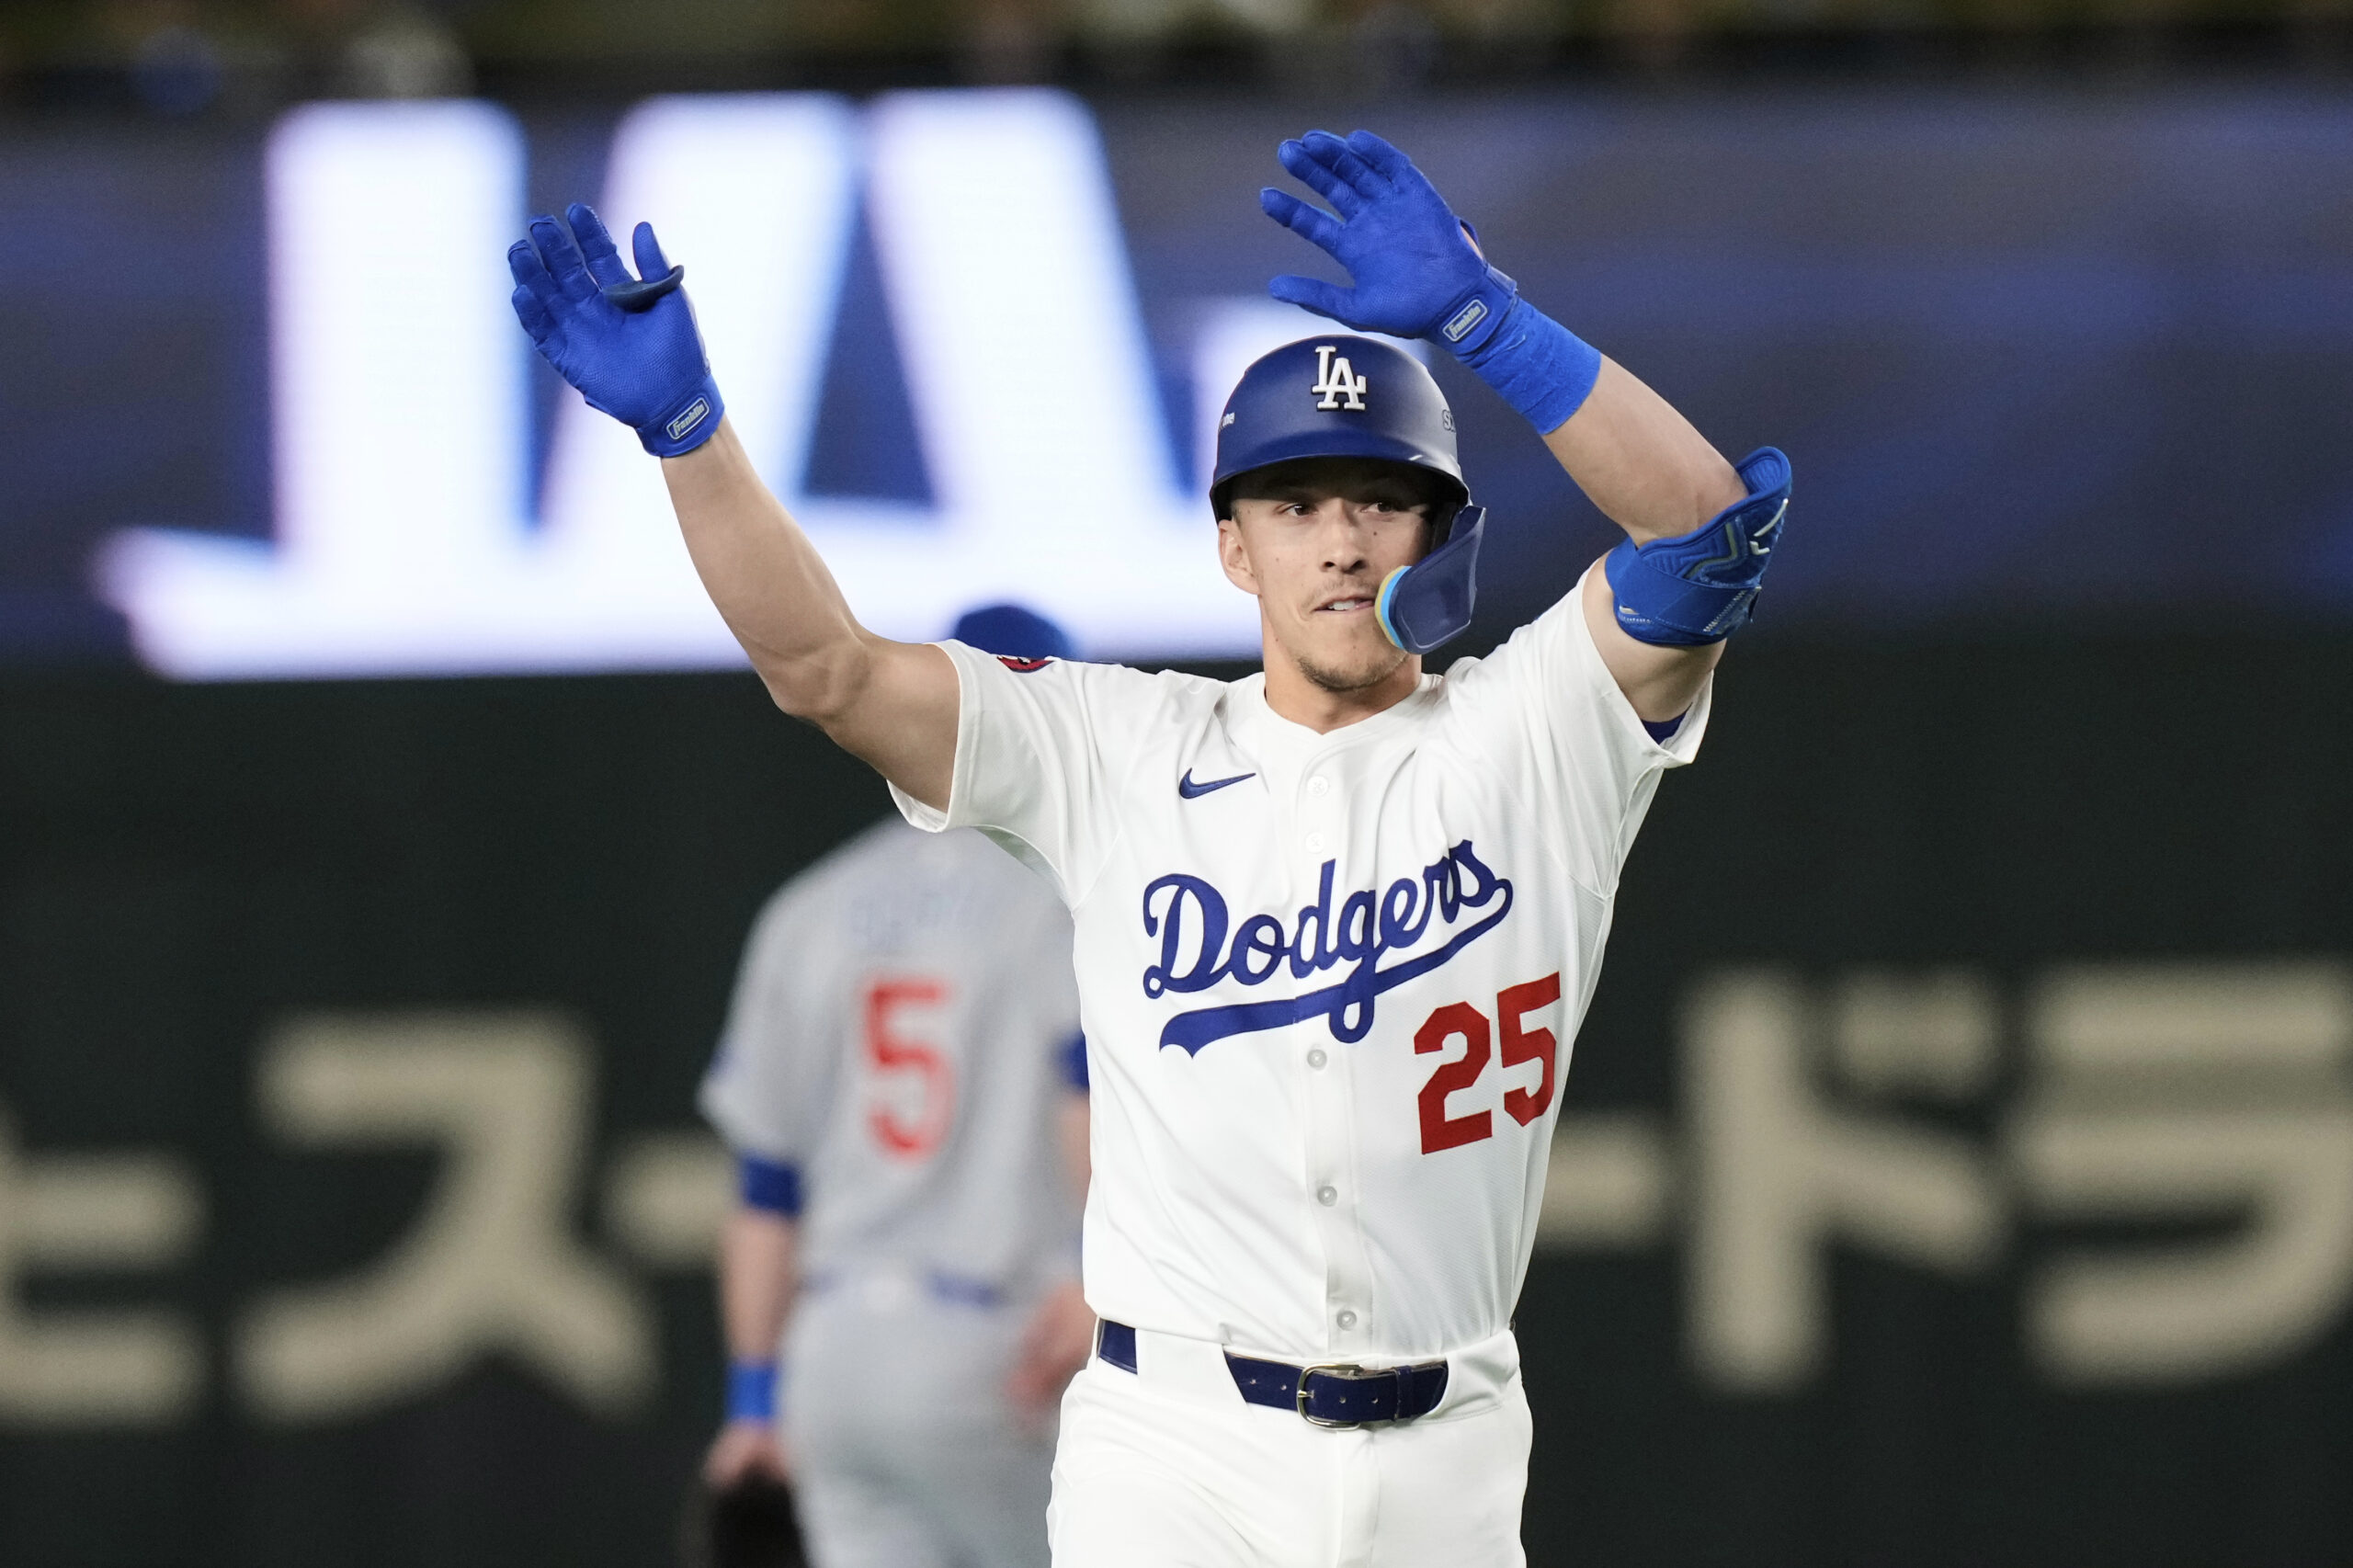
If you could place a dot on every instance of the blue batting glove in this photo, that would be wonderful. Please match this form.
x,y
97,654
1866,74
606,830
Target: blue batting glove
x,y
628,343
1416,272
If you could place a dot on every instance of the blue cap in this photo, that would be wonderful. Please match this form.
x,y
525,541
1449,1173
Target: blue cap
x,y
1012,632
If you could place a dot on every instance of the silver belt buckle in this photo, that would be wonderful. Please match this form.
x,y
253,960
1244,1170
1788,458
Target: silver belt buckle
x,y
1348,1370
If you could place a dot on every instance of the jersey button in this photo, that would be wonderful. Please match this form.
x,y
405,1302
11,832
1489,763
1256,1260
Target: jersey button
x,y
1319,786
1315,844
1316,1058
1327,1195
1346,1318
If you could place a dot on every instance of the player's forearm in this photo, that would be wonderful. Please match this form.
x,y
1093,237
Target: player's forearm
x,y
1700,530
1418,271
1640,461
629,344
768,581
758,1277
892,704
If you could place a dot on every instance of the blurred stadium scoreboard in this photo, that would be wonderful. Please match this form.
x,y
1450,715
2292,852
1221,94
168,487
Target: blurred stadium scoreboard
x,y
2038,356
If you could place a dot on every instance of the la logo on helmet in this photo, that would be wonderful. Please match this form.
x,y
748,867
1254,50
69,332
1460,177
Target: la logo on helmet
x,y
1336,378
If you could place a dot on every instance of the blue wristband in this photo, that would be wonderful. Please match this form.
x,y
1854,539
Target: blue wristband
x,y
751,1390
1541,367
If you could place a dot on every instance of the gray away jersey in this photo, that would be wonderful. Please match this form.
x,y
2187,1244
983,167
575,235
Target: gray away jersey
x,y
898,1035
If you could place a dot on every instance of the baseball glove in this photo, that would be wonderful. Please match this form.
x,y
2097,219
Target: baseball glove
x,y
752,1524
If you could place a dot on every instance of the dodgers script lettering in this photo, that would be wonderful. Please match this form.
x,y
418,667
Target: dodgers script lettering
x,y
1189,918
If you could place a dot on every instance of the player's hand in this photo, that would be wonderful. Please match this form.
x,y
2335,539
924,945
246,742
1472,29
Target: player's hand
x,y
1055,1345
628,342
745,1449
1416,271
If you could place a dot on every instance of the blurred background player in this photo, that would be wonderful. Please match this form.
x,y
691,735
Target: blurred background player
x,y
903,1083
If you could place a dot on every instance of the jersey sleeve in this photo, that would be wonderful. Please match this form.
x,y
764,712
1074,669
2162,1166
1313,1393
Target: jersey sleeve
x,y
1548,709
1040,745
771,1079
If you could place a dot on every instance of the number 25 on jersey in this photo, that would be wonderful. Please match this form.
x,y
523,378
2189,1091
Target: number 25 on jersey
x,y
1460,1020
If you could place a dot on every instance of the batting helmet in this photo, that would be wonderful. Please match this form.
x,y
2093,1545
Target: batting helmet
x,y
1354,397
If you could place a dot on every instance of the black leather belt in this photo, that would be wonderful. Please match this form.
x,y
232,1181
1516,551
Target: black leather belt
x,y
1329,1394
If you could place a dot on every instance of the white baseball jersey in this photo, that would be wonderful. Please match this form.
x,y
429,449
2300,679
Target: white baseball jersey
x,y
896,1035
1328,981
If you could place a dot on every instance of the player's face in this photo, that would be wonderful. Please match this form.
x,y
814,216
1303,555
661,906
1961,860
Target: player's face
x,y
1315,547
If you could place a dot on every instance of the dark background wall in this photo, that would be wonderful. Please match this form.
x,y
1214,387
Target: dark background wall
x,y
183,870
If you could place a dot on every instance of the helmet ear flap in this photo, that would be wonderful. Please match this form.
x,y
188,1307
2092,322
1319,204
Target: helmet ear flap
x,y
1423,606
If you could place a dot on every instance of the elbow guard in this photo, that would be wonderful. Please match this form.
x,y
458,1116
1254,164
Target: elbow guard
x,y
1696,587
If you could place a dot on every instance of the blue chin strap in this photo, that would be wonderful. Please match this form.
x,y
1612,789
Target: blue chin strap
x,y
1425,606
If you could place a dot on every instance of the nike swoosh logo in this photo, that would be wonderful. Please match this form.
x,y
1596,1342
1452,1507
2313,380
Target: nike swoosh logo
x,y
1192,792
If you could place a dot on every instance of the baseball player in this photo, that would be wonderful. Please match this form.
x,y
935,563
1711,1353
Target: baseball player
x,y
1336,923
901,1081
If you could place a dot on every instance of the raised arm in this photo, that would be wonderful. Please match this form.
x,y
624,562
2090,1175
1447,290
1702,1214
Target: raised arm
x,y
629,344
1640,461
1699,531
891,704
1655,476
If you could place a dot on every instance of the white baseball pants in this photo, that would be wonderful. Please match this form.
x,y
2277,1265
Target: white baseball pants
x,y
1167,1467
